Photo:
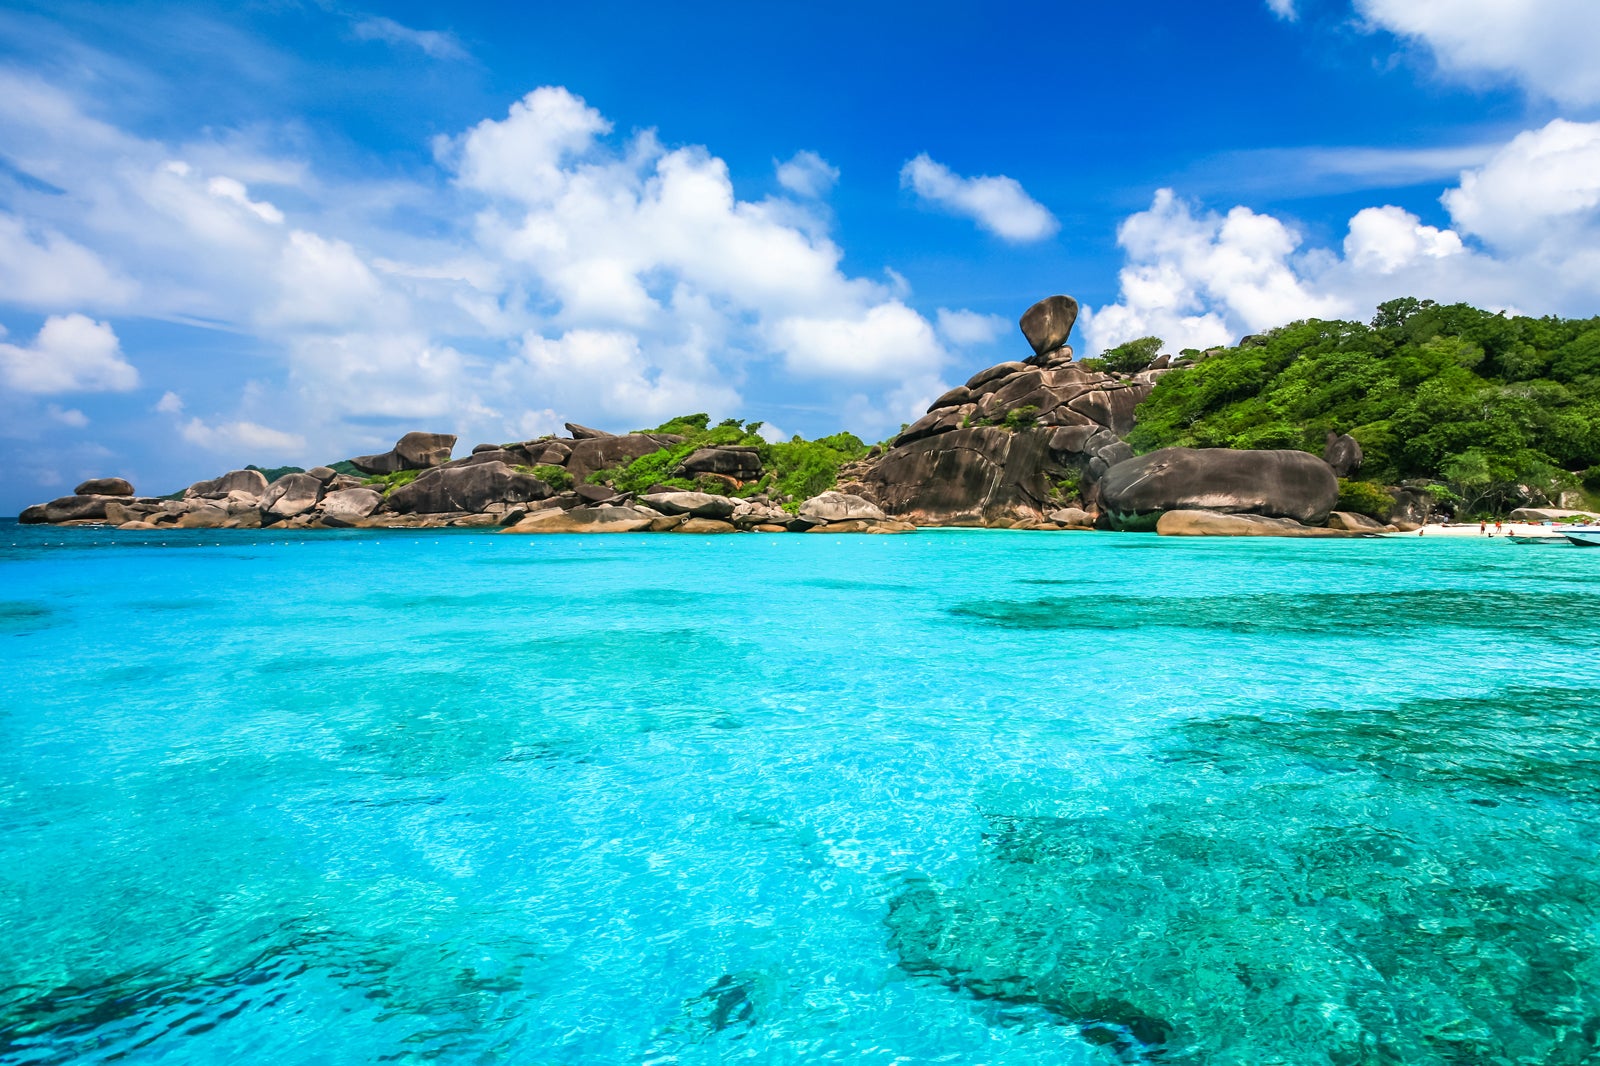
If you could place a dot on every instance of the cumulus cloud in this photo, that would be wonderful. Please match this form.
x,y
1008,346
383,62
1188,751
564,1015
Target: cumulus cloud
x,y
968,328
434,43
1284,9
1546,46
72,353
890,340
67,416
170,403
554,272
1385,239
245,437
807,174
1194,278
997,204
1526,226
1534,189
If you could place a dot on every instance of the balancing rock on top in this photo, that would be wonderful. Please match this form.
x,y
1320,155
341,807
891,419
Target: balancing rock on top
x,y
104,486
1048,323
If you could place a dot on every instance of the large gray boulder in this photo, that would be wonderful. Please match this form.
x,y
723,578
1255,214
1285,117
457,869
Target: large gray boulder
x,y
840,507
252,481
694,504
1215,524
1048,323
586,433
1343,453
350,505
470,488
602,519
965,476
79,508
291,495
742,462
602,453
1549,514
104,486
414,451
1276,484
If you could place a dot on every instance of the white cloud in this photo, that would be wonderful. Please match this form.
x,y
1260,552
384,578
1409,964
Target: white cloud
x,y
1195,278
1284,9
608,372
1546,46
968,328
1525,234
807,174
889,340
434,43
67,416
41,269
233,190
72,353
1385,239
541,250
242,437
324,283
521,156
997,204
170,403
1534,189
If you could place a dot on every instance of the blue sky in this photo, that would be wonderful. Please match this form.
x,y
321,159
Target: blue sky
x,y
287,232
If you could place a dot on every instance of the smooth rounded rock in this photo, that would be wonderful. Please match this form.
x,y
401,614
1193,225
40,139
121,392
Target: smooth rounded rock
x,y
1279,484
291,495
470,489
840,507
1184,523
1048,323
694,504
104,486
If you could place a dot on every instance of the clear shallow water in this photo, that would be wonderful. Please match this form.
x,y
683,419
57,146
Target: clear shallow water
x,y
961,796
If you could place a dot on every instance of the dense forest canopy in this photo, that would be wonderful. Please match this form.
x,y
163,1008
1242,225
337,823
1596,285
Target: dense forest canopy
x,y
1486,404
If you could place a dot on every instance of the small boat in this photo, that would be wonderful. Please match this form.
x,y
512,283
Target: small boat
x,y
1584,536
1536,534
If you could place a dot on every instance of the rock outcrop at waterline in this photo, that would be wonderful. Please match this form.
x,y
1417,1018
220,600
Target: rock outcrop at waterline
x,y
1035,443
1270,484
1018,441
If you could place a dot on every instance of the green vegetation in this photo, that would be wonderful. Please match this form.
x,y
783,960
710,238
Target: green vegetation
x,y
558,478
387,483
797,467
1365,497
273,473
1021,417
1132,357
345,466
1485,404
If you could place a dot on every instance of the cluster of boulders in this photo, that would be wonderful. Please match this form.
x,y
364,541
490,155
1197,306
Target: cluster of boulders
x,y
701,512
1038,444
491,487
1034,444
1020,444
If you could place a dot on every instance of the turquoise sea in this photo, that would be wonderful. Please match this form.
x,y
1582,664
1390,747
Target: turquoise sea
x,y
959,797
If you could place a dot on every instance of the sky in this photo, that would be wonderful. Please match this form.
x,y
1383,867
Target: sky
x,y
288,232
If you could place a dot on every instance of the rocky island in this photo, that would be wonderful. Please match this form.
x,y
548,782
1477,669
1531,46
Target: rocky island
x,y
1046,442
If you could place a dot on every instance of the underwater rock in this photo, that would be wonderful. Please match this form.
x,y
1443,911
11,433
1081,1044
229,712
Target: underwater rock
x,y
1412,884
